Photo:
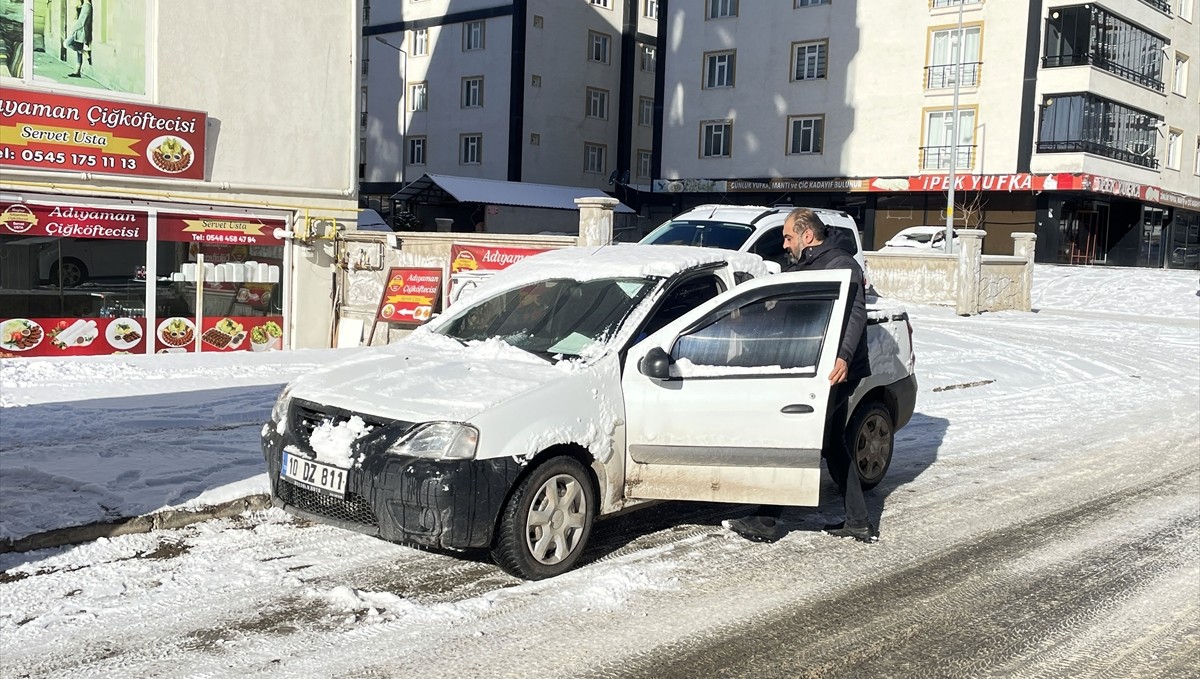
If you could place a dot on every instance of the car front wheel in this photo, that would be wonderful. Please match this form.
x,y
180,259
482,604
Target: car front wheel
x,y
871,438
545,525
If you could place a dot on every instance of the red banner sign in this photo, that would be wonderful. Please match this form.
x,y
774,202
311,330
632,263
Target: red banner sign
x,y
218,230
49,131
178,334
71,336
485,257
410,296
72,221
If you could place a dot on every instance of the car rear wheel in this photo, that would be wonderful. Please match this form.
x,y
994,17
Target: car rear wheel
x,y
545,525
73,272
871,439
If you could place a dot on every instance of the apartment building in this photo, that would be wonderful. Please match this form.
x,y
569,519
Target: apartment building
x,y
1077,121
543,91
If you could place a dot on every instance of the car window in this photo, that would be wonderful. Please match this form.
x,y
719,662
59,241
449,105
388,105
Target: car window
x,y
782,332
708,234
769,246
683,298
553,317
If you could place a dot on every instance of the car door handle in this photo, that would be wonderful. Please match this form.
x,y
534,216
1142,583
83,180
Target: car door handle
x,y
796,408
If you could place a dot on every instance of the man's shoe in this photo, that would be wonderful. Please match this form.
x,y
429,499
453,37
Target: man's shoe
x,y
867,533
755,528
74,75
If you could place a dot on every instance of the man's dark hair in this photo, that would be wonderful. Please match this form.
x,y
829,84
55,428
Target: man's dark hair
x,y
805,218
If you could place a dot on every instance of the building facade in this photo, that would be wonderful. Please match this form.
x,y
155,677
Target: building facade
x,y
543,91
164,168
1078,121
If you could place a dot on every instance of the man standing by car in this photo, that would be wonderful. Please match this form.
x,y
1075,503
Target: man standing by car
x,y
805,241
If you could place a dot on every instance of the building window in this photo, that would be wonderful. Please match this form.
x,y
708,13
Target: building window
x,y
418,96
811,3
1179,86
649,58
470,149
719,9
1086,123
645,162
1185,10
939,149
606,4
472,36
806,135
646,112
1174,149
715,138
598,45
1196,159
597,103
650,9
416,150
366,12
362,158
593,158
362,107
944,69
1087,34
718,69
472,91
809,60
420,42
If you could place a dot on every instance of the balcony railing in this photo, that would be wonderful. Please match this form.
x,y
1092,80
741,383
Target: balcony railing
x,y
941,76
1145,159
953,3
1104,65
938,157
1163,6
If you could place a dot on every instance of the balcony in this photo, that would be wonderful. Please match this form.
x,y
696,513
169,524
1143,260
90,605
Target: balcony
x,y
934,4
938,157
941,76
1145,159
1163,6
1104,64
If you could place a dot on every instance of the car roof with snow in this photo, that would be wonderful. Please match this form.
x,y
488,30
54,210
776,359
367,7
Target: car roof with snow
x,y
584,263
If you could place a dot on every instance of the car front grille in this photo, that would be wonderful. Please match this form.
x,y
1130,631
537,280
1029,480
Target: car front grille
x,y
351,509
305,416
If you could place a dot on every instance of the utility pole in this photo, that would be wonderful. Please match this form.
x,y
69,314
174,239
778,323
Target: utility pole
x,y
958,50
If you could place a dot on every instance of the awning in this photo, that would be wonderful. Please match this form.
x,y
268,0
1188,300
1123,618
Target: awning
x,y
440,189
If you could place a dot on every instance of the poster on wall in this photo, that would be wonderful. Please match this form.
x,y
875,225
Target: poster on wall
x,y
48,131
177,334
410,296
472,264
85,44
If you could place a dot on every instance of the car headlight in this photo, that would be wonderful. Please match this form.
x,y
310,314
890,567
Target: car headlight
x,y
280,410
440,441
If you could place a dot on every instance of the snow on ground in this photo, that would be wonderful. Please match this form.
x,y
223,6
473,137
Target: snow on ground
x,y
100,438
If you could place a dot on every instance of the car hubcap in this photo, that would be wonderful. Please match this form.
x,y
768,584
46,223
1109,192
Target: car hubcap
x,y
873,446
556,519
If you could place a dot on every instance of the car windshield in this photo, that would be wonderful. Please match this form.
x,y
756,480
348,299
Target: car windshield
x,y
705,234
552,318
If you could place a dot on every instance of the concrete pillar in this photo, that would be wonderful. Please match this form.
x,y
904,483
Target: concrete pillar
x,y
443,224
596,220
1024,245
970,269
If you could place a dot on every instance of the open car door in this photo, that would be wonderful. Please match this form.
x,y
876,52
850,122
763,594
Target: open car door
x,y
727,403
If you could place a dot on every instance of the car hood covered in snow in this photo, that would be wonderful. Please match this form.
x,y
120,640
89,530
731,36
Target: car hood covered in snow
x,y
426,377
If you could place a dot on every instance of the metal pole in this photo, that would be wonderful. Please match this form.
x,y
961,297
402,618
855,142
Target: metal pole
x,y
958,49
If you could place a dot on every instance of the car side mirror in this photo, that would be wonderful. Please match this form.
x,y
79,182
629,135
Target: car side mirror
x,y
656,364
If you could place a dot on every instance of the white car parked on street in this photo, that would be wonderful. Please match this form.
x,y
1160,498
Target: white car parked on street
x,y
580,382
919,238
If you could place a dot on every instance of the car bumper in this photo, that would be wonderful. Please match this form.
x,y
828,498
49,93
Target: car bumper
x,y
431,503
905,391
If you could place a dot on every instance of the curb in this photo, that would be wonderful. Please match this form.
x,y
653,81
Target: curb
x,y
168,519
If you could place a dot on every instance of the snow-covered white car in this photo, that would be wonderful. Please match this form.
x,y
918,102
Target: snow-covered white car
x,y
919,238
580,382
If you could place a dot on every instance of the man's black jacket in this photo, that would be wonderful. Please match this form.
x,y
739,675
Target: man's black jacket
x,y
853,348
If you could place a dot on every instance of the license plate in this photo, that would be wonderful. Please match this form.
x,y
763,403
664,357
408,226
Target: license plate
x,y
321,477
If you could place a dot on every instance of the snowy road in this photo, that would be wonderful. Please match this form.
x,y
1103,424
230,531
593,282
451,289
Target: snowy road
x,y
1043,522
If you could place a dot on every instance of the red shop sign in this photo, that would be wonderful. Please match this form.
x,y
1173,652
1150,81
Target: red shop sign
x,y
410,296
218,230
486,258
72,336
72,221
60,132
